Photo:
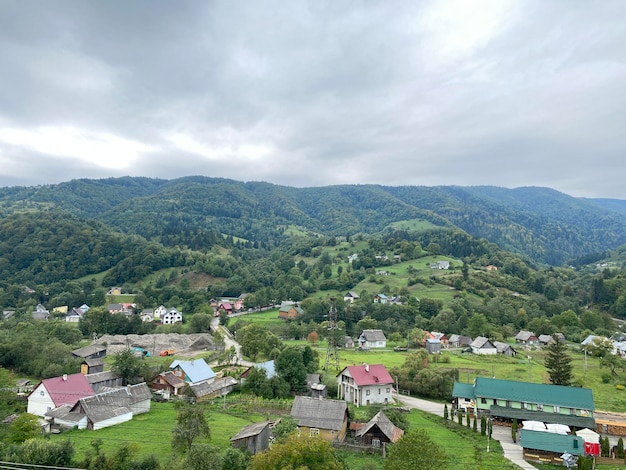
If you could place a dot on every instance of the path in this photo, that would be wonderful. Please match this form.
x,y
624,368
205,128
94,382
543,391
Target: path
x,y
229,341
512,451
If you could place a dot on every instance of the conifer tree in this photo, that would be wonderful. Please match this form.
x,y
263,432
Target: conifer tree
x,y
559,363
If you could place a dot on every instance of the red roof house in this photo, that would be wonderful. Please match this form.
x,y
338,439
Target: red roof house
x,y
57,391
365,384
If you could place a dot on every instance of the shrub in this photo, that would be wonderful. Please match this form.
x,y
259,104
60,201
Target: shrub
x,y
444,359
606,378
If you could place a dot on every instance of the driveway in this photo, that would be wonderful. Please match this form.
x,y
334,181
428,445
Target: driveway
x,y
512,451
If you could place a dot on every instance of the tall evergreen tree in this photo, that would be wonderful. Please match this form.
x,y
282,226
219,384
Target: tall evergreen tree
x,y
559,363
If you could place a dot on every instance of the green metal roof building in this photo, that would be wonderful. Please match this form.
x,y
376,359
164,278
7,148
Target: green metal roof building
x,y
572,406
552,442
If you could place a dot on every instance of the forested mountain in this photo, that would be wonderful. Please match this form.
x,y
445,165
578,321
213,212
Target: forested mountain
x,y
540,224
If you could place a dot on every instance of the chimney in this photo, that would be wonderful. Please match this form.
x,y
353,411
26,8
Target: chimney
x,y
367,367
64,377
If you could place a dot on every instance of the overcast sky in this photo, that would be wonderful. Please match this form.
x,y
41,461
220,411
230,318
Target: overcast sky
x,y
505,93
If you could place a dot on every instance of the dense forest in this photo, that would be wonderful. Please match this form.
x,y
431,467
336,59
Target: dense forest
x,y
538,224
183,242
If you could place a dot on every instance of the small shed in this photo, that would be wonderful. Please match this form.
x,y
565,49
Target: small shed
x,y
379,430
254,437
92,366
433,345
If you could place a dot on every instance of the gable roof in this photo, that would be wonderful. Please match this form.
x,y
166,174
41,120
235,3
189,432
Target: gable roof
x,y
390,431
546,394
288,307
172,379
352,294
201,389
319,413
89,350
113,403
482,343
373,335
461,390
525,335
67,389
501,347
250,430
365,374
196,370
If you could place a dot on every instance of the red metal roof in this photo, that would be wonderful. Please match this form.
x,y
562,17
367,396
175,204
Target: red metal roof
x,y
370,374
67,390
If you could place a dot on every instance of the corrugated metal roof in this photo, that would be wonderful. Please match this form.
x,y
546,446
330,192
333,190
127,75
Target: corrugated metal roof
x,y
365,374
201,389
88,350
546,394
557,418
551,442
197,370
461,390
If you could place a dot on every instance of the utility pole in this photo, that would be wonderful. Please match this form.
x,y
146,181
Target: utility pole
x,y
332,353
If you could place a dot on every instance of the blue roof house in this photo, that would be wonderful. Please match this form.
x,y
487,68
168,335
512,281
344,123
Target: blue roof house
x,y
192,371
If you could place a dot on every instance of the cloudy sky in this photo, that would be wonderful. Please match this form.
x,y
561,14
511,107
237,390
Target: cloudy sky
x,y
505,93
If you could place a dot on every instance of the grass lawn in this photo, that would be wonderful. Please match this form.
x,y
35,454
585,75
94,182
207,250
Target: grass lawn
x,y
268,318
466,449
150,433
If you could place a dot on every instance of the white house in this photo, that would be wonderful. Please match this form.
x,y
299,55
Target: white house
x,y
365,384
172,316
482,345
58,391
159,312
372,339
351,297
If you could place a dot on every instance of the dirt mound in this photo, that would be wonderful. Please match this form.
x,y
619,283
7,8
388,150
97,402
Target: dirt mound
x,y
157,342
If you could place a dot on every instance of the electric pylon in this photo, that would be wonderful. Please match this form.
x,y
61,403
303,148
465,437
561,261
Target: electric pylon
x,y
332,353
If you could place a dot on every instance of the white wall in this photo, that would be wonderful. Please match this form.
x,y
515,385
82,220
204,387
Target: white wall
x,y
39,401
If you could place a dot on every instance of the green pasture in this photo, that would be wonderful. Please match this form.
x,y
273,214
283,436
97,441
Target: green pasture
x,y
466,449
413,225
150,433
268,318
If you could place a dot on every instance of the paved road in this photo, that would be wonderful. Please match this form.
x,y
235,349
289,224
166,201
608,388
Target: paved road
x,y
512,451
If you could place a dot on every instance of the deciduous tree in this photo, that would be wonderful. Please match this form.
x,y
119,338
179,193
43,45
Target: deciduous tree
x,y
191,424
403,454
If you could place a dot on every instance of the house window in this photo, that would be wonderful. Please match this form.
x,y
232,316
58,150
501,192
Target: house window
x,y
41,393
313,432
539,407
495,402
508,403
483,401
379,390
572,411
523,405
367,392
388,389
557,409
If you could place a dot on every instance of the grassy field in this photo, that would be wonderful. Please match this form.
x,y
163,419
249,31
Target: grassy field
x,y
150,433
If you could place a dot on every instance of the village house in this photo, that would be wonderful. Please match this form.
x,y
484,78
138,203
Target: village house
x,y
159,312
327,419
289,312
92,366
40,313
372,339
459,341
353,257
267,366
381,299
351,297
225,306
76,314
482,345
114,291
526,337
505,349
365,385
379,430
348,342
58,391
209,389
147,314
168,384
253,438
192,371
171,317
104,409
508,399
442,337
